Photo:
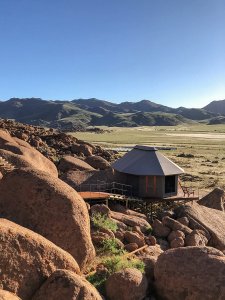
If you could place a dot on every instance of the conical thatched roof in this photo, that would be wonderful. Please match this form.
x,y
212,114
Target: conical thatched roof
x,y
143,160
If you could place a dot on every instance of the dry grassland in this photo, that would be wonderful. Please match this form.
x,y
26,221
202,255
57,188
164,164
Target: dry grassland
x,y
200,149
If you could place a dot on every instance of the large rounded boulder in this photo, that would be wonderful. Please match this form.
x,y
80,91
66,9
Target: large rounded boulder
x,y
190,273
127,284
214,199
68,163
27,259
49,207
5,295
66,285
21,154
78,178
97,162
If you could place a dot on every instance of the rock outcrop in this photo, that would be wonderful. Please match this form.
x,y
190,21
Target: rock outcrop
x,y
5,295
122,209
128,284
66,285
21,154
77,178
196,238
27,259
190,273
175,225
52,143
211,220
215,199
68,163
159,229
97,162
131,220
100,209
134,237
49,207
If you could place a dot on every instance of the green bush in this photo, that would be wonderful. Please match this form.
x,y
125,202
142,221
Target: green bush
x,y
117,263
110,246
114,264
102,221
149,230
98,281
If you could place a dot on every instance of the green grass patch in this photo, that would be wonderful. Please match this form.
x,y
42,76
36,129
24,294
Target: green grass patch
x,y
102,221
149,230
117,263
98,281
114,264
110,246
201,146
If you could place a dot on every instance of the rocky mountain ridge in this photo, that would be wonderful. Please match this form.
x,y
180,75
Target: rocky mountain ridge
x,y
80,113
52,143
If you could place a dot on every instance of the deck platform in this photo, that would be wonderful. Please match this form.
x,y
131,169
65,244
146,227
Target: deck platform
x,y
103,197
94,195
111,196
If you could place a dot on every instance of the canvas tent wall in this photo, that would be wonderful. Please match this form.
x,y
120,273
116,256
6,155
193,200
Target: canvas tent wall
x,y
149,172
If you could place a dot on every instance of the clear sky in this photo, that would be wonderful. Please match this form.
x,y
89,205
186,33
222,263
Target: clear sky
x,y
168,51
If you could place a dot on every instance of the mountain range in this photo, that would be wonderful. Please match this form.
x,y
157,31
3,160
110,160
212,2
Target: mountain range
x,y
80,113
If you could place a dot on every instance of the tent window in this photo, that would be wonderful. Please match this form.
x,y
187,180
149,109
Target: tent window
x,y
170,184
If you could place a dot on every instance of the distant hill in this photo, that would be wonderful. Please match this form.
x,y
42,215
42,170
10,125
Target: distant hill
x,y
80,113
217,120
217,107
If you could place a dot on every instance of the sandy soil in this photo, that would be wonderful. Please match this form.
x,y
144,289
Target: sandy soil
x,y
199,135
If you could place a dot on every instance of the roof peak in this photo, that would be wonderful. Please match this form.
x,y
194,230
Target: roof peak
x,y
145,148
152,148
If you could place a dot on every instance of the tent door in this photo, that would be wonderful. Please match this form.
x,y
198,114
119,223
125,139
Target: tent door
x,y
170,184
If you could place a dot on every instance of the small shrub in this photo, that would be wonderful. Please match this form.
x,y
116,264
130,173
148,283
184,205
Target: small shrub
x,y
215,162
186,155
117,263
98,281
149,230
113,264
110,246
102,221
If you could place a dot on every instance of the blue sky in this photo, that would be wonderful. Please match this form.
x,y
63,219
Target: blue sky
x,y
168,51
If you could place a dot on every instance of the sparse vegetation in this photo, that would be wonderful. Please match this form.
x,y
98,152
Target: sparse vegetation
x,y
98,281
102,221
117,263
149,230
203,147
110,246
114,264
187,155
110,255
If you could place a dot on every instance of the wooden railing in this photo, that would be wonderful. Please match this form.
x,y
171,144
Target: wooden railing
x,y
109,187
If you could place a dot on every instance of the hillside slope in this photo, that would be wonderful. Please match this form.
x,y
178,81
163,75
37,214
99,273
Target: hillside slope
x,y
80,113
216,107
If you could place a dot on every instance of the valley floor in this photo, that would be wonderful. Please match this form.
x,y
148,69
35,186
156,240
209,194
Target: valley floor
x,y
200,149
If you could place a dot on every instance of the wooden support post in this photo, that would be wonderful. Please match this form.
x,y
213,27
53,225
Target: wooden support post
x,y
151,212
146,184
135,251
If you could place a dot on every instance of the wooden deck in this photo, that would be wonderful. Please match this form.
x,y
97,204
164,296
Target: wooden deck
x,y
103,197
110,196
94,195
170,199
